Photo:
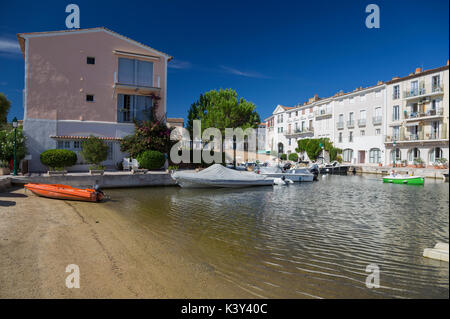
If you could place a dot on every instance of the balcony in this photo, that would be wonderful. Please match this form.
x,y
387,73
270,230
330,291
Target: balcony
x,y
376,120
299,132
437,89
423,115
340,125
323,113
419,137
350,124
361,122
422,92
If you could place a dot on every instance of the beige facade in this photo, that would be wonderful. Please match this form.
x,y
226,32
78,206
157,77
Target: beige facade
x,y
417,117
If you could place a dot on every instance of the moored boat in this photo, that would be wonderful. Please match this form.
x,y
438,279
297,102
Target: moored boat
x,y
219,176
59,191
399,179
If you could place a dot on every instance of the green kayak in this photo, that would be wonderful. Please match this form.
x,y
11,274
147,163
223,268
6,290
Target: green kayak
x,y
411,180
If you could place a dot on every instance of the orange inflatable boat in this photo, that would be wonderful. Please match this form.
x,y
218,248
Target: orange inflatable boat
x,y
66,192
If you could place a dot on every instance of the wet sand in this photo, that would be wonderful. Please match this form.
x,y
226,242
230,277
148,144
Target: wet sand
x,y
117,258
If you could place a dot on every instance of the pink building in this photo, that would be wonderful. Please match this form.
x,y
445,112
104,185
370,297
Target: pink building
x,y
88,81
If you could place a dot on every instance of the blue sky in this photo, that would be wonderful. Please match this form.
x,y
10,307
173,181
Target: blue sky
x,y
270,52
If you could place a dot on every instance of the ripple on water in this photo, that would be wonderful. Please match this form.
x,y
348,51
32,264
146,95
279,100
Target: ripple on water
x,y
309,240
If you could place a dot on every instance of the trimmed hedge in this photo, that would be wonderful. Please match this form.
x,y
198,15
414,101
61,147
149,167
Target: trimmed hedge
x,y
151,159
58,158
293,157
283,157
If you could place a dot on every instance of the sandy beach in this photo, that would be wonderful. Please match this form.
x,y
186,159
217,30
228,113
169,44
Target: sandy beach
x,y
39,237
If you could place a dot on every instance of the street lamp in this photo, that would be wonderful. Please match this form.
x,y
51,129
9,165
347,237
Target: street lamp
x,y
395,153
15,124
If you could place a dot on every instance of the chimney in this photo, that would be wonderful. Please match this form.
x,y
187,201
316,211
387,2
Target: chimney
x,y
395,78
379,82
418,70
447,62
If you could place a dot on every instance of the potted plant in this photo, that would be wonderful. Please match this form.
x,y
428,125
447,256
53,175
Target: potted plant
x,y
404,163
95,151
57,160
151,160
172,168
418,162
4,168
442,162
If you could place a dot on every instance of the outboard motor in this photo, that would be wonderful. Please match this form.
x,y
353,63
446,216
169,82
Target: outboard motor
x,y
99,192
314,169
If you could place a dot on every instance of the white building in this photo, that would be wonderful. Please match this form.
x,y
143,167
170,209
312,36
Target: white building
x,y
364,123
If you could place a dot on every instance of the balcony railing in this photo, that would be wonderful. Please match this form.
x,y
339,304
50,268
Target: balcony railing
x,y
340,125
437,89
350,124
430,112
324,112
376,120
437,135
414,92
361,122
305,131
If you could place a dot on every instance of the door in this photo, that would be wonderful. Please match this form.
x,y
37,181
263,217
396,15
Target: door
x,y
362,157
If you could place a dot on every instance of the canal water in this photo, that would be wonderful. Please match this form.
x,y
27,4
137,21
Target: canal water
x,y
307,240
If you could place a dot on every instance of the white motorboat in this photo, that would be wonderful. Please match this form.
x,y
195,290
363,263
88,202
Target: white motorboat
x,y
295,174
282,181
218,176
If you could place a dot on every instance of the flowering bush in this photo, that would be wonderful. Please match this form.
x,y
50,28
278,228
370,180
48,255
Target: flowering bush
x,y
7,144
147,136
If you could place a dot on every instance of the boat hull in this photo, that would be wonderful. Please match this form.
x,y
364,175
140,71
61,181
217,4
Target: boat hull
x,y
293,177
57,191
416,180
189,183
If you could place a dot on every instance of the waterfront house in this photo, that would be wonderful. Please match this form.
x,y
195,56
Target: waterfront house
x,y
359,126
417,113
88,81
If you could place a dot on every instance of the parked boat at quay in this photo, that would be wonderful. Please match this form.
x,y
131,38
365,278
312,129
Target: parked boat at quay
x,y
218,176
294,174
402,179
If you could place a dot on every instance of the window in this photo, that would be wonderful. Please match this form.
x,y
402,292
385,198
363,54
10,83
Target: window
x,y
350,137
396,113
109,154
340,137
395,132
289,141
396,93
413,154
352,100
90,60
378,93
89,98
395,153
363,133
347,155
131,107
378,131
435,154
375,155
60,145
350,117
290,114
341,118
135,72
363,97
76,145
296,113
436,83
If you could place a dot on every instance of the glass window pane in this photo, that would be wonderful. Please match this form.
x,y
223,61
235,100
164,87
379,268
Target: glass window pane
x,y
126,71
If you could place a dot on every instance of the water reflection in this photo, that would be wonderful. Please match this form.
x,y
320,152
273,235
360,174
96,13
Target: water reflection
x,y
310,240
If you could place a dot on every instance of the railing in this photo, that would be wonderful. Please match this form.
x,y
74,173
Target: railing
x,y
350,123
361,122
437,135
340,125
414,92
300,132
431,112
323,112
376,120
437,89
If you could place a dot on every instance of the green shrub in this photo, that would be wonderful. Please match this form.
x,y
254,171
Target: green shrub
x,y
293,157
283,157
94,151
58,159
151,159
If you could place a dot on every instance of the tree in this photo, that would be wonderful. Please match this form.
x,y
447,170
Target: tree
x,y
7,144
222,109
5,104
94,150
293,157
147,136
312,147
